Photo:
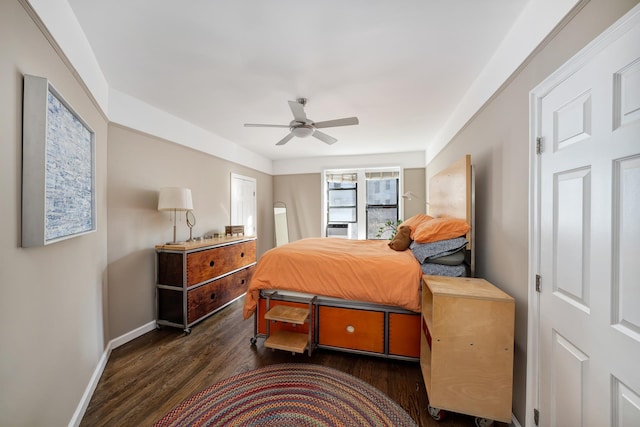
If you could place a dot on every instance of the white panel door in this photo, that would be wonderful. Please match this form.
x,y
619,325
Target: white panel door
x,y
589,343
243,203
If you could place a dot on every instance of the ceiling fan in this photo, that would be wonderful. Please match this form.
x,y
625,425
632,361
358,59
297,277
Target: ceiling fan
x,y
302,127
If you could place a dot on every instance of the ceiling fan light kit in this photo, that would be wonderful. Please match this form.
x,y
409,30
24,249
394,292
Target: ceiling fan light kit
x,y
302,131
302,127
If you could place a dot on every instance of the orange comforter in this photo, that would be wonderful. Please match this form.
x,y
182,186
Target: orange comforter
x,y
360,270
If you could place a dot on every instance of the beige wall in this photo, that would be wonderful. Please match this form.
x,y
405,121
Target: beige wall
x,y
414,181
51,308
302,193
497,139
139,165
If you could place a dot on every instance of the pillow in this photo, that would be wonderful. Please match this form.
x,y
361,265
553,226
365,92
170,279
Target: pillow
x,y
440,229
415,221
402,239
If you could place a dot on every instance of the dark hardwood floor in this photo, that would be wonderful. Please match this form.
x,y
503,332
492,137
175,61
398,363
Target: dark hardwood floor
x,y
148,376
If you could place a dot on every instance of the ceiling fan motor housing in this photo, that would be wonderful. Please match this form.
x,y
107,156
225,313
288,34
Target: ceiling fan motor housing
x,y
301,130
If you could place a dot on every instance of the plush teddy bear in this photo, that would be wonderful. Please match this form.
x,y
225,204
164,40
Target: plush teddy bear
x,y
402,239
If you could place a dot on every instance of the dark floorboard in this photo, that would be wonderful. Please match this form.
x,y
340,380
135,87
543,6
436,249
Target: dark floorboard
x,y
148,376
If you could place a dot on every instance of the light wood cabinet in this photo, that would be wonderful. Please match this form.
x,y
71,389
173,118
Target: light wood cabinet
x,y
466,346
196,279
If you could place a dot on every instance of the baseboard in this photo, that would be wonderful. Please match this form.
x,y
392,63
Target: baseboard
x,y
129,336
91,387
514,421
102,363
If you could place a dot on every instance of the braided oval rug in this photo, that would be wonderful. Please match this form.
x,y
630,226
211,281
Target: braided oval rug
x,y
289,394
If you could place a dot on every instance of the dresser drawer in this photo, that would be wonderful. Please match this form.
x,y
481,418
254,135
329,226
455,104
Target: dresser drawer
x,y
211,263
213,295
351,329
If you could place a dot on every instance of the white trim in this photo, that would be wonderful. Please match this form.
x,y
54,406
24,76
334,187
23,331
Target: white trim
x,y
539,18
621,27
76,419
59,20
411,159
91,387
62,24
533,25
136,114
131,335
533,313
514,421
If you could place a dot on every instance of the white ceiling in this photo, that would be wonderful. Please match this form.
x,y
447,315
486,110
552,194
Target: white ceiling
x,y
401,67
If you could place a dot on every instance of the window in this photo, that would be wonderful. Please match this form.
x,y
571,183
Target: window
x,y
360,201
382,203
342,204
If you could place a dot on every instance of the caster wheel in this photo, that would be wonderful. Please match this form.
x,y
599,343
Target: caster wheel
x,y
437,413
253,341
483,422
187,331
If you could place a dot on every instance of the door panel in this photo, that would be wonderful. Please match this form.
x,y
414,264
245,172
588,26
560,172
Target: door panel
x,y
571,235
627,404
589,252
568,367
626,310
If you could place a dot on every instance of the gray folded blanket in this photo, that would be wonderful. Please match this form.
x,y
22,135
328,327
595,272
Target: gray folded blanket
x,y
426,251
444,270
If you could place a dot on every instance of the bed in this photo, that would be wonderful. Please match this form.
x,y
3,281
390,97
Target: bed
x,y
359,296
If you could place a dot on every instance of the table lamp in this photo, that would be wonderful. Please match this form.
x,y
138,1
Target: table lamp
x,y
174,199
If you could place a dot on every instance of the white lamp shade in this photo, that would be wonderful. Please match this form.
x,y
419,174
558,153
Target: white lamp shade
x,y
175,198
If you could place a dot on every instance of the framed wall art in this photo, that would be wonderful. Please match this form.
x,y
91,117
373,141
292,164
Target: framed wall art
x,y
58,167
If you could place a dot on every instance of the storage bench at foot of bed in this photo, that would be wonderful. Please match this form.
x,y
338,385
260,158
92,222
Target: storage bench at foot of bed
x,y
348,326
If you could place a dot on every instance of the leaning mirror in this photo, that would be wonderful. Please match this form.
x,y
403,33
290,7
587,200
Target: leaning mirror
x,y
281,226
191,222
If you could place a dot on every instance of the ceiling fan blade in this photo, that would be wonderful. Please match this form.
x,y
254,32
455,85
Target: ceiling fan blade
x,y
298,111
285,139
256,125
337,122
324,137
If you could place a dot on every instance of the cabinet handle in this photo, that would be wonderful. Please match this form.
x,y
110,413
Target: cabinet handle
x,y
211,263
241,254
242,283
213,295
350,329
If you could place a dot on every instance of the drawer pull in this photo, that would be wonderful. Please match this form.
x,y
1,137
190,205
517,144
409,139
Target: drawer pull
x,y
242,283
350,329
241,254
213,295
211,263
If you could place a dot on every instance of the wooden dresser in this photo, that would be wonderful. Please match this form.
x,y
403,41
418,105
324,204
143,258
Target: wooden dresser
x,y
196,279
466,351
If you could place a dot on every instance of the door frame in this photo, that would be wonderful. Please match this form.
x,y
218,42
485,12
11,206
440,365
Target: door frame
x,y
621,27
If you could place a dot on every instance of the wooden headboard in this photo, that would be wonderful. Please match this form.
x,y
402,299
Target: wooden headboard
x,y
451,194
